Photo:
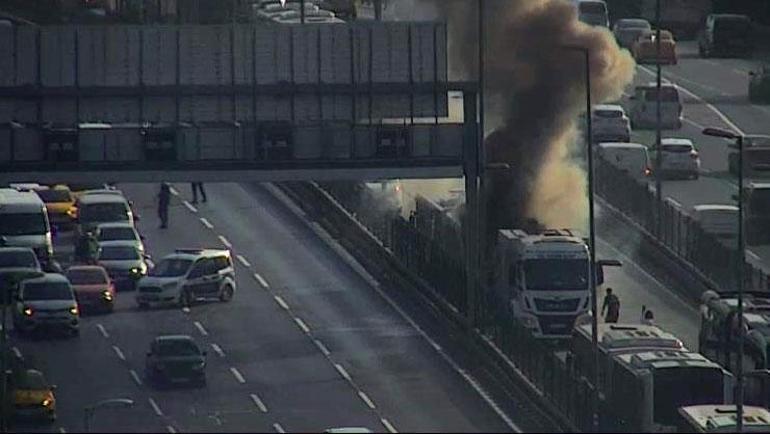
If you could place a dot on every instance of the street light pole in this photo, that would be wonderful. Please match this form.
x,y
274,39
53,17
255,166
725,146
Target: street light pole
x,y
482,198
658,154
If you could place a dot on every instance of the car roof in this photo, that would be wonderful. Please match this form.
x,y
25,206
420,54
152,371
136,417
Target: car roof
x,y
621,145
118,243
193,253
101,197
86,268
17,249
675,141
47,277
731,16
715,207
613,107
115,225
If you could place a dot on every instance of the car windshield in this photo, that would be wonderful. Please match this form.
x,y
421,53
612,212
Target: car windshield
x,y
733,26
40,291
608,113
86,277
53,196
678,148
85,186
634,24
556,274
23,224
171,267
117,233
758,141
16,258
118,253
32,380
177,348
103,212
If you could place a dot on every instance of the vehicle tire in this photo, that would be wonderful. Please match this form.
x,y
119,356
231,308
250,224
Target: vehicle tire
x,y
226,294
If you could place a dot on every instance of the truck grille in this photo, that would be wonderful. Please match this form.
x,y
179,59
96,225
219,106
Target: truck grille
x,y
557,324
568,305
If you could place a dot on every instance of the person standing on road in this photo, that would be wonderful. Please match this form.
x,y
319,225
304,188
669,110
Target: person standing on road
x,y
648,317
198,186
164,197
612,306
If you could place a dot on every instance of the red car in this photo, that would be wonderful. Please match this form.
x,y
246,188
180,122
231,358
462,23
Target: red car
x,y
93,288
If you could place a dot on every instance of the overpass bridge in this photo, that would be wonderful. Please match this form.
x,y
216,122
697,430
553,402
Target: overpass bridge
x,y
231,102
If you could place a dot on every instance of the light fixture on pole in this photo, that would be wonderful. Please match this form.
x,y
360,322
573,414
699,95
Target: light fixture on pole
x,y
591,228
726,134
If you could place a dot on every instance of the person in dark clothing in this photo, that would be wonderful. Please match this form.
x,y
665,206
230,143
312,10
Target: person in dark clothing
x,y
164,197
612,306
198,186
86,248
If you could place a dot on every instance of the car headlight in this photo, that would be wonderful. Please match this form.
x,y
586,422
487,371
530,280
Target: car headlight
x,y
107,295
47,402
135,271
28,311
198,366
74,310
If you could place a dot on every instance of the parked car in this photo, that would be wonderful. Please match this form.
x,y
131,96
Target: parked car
x,y
728,35
94,290
174,359
124,263
46,303
610,124
645,48
33,396
188,275
759,86
679,158
628,30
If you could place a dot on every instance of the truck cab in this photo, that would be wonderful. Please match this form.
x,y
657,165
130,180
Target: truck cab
x,y
544,278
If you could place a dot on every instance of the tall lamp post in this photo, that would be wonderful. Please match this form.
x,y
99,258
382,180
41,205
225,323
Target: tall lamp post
x,y
591,229
726,134
89,411
658,154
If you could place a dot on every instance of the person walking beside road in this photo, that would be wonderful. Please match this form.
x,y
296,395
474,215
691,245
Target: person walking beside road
x,y
164,197
647,316
198,186
612,306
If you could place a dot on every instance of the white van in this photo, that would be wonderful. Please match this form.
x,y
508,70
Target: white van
x,y
93,209
719,220
643,107
632,158
24,222
593,12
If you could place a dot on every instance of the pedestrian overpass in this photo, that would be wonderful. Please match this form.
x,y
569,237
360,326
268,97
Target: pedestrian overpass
x,y
236,102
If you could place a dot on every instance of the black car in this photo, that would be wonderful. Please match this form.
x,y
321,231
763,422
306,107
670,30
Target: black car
x,y
727,35
176,359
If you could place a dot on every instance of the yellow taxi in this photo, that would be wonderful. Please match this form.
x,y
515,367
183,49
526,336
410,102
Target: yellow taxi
x,y
33,396
645,48
59,203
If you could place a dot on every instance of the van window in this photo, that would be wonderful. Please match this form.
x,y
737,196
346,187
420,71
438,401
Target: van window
x,y
103,212
667,94
53,196
608,114
23,224
677,148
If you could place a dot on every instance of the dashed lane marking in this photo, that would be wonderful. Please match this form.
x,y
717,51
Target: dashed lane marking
x,y
170,429
388,426
190,206
173,191
206,223
366,399
278,428
280,301
186,309
102,330
322,347
243,261
302,324
261,280
200,328
217,349
225,241
62,430
342,371
135,376
120,354
258,402
753,255
155,407
17,353
237,375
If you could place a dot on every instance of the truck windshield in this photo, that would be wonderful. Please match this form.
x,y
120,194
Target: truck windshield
x,y
23,224
680,386
556,274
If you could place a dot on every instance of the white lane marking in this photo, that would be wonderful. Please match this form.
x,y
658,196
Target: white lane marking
x,y
322,347
388,426
225,241
217,349
62,430
17,353
708,105
120,354
280,301
342,371
258,402
170,429
155,407
190,206
353,263
261,280
237,375
278,428
200,328
302,325
753,255
173,191
102,330
366,400
206,223
186,309
135,376
243,261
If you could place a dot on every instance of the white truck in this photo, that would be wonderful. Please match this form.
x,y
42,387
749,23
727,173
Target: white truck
x,y
545,279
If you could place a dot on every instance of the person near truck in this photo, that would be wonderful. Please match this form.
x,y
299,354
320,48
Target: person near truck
x,y
612,306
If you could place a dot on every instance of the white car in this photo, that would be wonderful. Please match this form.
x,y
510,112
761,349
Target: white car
x,y
610,124
628,30
679,158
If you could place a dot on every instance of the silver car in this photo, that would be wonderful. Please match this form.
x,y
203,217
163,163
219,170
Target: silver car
x,y
46,302
679,158
124,263
120,231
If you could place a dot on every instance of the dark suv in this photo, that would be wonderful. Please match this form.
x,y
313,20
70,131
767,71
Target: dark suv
x,y
174,359
726,35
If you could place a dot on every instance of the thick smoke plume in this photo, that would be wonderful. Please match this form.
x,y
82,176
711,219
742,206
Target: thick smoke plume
x,y
535,93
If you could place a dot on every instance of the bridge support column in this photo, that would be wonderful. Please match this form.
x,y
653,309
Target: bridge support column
x,y
471,221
